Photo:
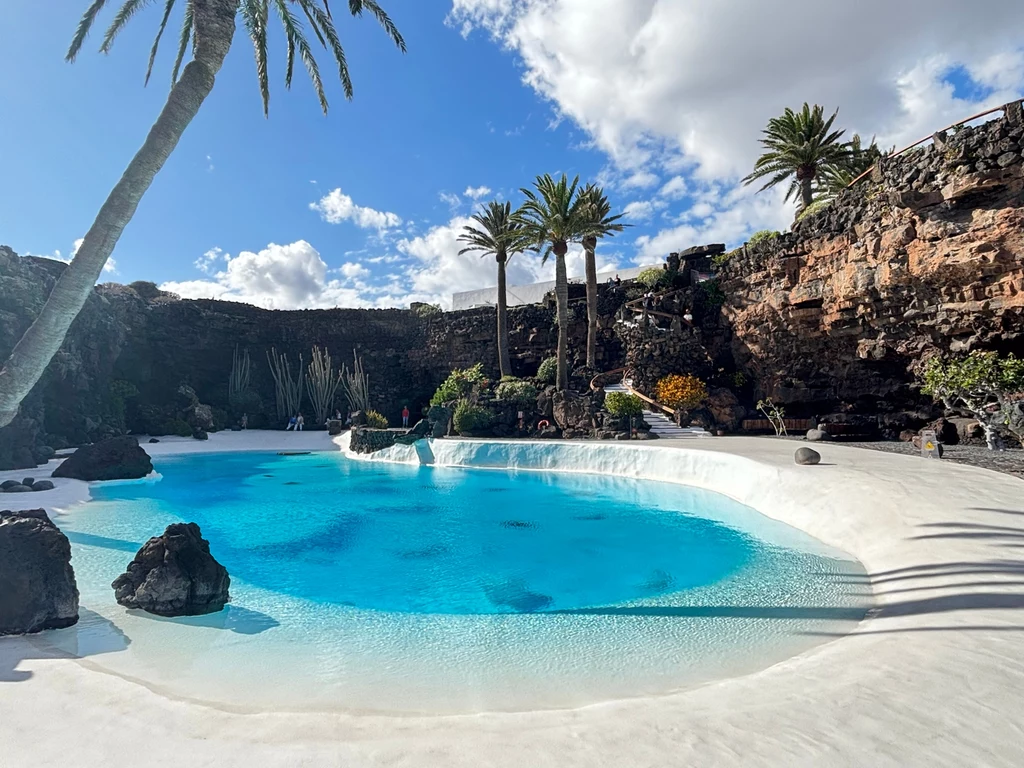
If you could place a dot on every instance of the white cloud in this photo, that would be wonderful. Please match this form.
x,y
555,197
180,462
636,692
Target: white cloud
x,y
450,199
336,207
642,210
353,270
476,193
639,180
208,262
674,188
648,81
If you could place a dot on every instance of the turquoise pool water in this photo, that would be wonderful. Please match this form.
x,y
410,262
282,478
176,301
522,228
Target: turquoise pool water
x,y
367,586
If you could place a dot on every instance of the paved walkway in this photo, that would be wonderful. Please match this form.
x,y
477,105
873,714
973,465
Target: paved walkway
x,y
661,425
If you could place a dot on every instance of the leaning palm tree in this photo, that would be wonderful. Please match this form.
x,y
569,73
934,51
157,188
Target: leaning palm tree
x,y
210,27
553,217
500,235
597,223
800,145
837,177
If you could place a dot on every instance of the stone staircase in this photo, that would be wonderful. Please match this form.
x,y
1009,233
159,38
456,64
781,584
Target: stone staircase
x,y
661,425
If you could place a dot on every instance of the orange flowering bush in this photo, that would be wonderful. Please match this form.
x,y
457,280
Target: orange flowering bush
x,y
682,392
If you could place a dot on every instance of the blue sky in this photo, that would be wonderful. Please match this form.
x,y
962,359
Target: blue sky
x,y
491,93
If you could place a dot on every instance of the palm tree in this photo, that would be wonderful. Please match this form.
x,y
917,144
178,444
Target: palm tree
x,y
210,26
597,224
800,145
553,217
502,236
835,178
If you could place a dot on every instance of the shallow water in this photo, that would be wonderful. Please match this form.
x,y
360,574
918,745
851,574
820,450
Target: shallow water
x,y
379,587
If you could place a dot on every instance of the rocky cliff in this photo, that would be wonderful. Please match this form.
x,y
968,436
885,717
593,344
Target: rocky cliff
x,y
926,255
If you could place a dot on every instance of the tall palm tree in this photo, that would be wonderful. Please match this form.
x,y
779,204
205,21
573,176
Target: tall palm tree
x,y
598,223
836,177
210,27
553,217
500,235
800,144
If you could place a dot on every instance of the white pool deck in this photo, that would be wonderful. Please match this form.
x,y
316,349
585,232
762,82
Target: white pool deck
x,y
933,677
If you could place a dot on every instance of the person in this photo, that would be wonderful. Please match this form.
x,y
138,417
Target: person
x,y
648,299
405,416
299,422
245,421
292,423
337,414
617,280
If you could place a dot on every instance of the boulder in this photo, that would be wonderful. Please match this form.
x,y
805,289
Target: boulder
x,y
945,431
726,409
439,417
200,434
572,411
358,419
818,435
174,575
119,458
8,484
335,427
42,485
39,590
29,481
154,440
43,454
19,488
806,456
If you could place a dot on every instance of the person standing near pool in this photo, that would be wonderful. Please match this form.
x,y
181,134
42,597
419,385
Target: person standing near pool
x,y
405,415
245,421
299,422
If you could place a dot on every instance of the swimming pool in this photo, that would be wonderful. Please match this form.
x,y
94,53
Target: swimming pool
x,y
390,588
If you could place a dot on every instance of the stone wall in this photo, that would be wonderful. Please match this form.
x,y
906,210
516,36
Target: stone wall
x,y
925,256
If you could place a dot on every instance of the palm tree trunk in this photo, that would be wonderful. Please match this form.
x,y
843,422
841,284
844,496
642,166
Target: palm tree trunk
x,y
562,300
591,261
214,29
504,364
806,192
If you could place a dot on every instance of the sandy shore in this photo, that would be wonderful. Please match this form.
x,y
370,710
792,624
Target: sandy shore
x,y
934,677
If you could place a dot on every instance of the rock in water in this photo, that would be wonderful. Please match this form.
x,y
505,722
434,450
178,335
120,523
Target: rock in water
x,y
37,583
174,575
806,456
119,458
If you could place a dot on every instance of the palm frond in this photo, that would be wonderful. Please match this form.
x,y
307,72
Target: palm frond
x,y
186,34
168,7
385,21
327,25
297,40
254,16
83,28
122,17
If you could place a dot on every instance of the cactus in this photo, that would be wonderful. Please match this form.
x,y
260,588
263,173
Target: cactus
x,y
356,385
287,389
321,384
238,381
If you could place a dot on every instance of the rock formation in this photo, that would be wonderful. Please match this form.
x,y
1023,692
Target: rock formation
x,y
37,583
119,458
174,575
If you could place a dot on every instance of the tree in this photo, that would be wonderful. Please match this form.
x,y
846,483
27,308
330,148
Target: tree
x,y
800,145
985,385
210,26
500,235
553,217
834,178
597,223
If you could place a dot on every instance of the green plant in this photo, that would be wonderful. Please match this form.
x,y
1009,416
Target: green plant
x,y
458,385
238,380
356,385
982,383
710,295
422,309
651,277
516,391
775,415
621,404
288,390
816,207
721,259
376,420
322,381
762,236
680,392
120,393
738,380
799,145
547,371
177,427
470,419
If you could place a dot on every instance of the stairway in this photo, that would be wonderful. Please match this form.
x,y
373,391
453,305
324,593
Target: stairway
x,y
662,425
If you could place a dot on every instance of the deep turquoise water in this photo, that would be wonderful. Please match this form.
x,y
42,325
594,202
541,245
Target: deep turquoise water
x,y
386,587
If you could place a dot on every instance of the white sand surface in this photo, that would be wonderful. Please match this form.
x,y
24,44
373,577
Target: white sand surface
x,y
933,677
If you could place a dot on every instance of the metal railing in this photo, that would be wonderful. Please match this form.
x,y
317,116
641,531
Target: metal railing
x,y
1004,108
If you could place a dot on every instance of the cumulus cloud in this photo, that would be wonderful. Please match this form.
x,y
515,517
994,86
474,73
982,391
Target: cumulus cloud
x,y
475,193
336,207
642,210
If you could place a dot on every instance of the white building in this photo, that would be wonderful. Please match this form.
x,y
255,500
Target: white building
x,y
529,294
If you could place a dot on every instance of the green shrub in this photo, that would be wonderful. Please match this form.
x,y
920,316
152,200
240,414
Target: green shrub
x,y
762,236
813,208
458,384
503,379
710,295
516,391
423,309
548,370
651,277
376,420
470,419
622,404
177,427
721,259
